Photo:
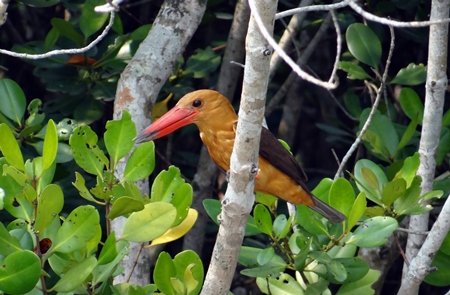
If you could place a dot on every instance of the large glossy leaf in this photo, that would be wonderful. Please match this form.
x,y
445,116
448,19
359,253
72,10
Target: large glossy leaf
x,y
439,277
358,208
370,179
189,270
119,137
76,275
411,104
86,152
248,257
354,71
373,232
363,44
10,148
384,130
141,162
19,272
67,30
280,284
12,100
362,286
343,196
50,204
166,184
263,219
125,205
164,270
76,230
91,21
178,231
50,146
8,244
411,75
150,223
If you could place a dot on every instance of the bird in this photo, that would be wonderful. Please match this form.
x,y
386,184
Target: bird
x,y
279,173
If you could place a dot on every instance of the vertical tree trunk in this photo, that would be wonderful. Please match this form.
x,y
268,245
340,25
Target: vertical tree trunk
x,y
436,86
138,90
239,197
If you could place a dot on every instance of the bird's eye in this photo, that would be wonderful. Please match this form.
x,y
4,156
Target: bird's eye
x,y
197,103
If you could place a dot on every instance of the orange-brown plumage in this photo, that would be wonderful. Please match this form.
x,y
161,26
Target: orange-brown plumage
x,y
279,174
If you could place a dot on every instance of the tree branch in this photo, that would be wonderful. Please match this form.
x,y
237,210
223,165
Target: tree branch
x,y
138,89
372,111
239,197
436,86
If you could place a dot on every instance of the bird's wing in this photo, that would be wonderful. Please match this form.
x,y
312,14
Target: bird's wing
x,y
276,154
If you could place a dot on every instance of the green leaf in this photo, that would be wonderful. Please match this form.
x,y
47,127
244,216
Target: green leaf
x,y
362,286
140,33
282,226
446,118
356,268
8,244
19,272
190,270
353,104
409,169
265,256
36,117
309,220
409,133
182,200
86,152
164,270
410,198
263,219
165,185
75,276
50,145
439,277
109,251
316,288
119,137
51,38
363,44
304,249
67,30
150,223
50,204
373,232
77,230
365,181
342,196
358,208
141,162
10,147
411,75
202,63
12,100
411,104
393,190
383,128
91,21
281,284
354,72
444,145
102,272
80,185
125,205
248,257
20,177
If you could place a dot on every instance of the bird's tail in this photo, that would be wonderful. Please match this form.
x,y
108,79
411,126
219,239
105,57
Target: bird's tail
x,y
327,211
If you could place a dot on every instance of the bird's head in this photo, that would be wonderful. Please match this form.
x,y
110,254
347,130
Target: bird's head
x,y
202,107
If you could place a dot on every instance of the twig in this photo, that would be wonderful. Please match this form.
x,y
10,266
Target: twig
x,y
141,246
374,107
331,84
393,23
338,46
64,51
406,230
310,8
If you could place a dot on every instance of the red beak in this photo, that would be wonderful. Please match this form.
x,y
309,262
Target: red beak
x,y
171,121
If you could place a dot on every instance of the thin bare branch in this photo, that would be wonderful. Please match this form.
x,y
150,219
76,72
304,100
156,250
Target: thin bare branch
x,y
374,107
331,84
310,8
64,51
393,23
